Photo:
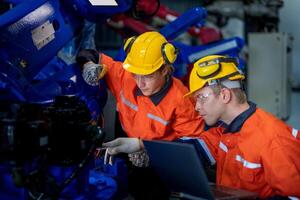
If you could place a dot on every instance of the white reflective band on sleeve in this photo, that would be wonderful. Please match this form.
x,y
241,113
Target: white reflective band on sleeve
x,y
293,198
128,103
186,138
247,164
295,132
151,116
207,151
223,147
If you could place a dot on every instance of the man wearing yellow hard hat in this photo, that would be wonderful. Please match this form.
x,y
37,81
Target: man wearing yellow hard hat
x,y
252,148
150,101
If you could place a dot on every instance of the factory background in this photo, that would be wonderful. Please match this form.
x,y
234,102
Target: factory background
x,y
43,92
282,99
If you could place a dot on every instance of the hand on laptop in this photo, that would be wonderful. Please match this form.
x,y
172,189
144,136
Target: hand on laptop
x,y
124,145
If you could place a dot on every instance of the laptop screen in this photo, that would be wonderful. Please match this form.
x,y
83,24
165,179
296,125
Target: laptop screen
x,y
179,167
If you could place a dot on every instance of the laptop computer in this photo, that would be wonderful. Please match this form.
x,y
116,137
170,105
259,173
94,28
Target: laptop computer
x,y
181,170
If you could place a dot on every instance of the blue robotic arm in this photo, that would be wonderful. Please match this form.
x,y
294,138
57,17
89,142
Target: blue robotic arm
x,y
189,54
32,77
31,35
34,31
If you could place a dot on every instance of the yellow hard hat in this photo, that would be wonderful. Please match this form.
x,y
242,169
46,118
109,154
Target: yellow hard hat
x,y
212,68
147,53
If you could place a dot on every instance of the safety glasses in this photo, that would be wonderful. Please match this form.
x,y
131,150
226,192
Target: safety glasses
x,y
210,68
202,98
146,78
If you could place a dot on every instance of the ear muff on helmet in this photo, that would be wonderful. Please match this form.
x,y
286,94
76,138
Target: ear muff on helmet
x,y
169,52
211,68
128,44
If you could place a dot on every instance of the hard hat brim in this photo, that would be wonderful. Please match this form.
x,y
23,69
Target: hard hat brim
x,y
138,70
190,93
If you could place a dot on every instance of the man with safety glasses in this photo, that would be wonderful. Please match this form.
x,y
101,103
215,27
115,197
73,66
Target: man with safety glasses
x,y
149,100
253,149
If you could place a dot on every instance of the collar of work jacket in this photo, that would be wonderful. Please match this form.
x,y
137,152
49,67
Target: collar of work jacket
x,y
237,123
157,97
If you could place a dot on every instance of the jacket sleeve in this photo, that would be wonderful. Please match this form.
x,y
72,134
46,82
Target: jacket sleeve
x,y
187,121
281,162
115,73
211,138
206,145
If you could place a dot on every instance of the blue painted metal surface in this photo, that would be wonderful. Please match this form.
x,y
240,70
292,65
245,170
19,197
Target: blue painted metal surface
x,y
98,13
21,57
17,37
193,17
190,54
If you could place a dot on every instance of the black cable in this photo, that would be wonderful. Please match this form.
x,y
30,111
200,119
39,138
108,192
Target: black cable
x,y
57,189
98,139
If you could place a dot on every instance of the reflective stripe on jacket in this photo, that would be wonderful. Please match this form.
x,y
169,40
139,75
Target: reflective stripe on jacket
x,y
263,156
172,118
